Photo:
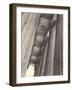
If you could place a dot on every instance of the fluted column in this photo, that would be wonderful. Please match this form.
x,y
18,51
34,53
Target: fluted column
x,y
58,57
51,48
28,29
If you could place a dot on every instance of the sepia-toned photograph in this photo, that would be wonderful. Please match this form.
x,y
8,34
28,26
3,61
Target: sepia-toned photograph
x,y
39,44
